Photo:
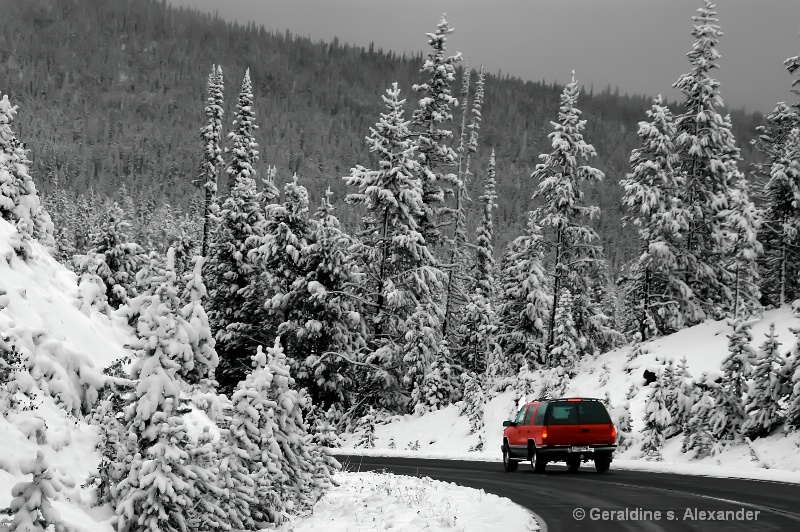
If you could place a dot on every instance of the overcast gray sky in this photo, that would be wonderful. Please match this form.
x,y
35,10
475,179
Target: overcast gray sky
x,y
638,45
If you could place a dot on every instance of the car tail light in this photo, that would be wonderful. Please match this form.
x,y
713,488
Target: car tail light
x,y
613,434
574,400
544,436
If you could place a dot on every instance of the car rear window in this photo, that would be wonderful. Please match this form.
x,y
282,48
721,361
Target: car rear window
x,y
577,413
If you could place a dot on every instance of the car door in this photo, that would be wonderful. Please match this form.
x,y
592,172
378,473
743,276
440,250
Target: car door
x,y
526,433
515,433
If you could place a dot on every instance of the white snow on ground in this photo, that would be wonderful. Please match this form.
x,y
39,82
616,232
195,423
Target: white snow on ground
x,y
42,315
383,501
445,433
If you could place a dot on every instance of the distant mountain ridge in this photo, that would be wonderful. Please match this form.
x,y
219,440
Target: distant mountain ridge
x,y
111,93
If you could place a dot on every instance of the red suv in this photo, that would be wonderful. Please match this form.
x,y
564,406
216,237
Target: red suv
x,y
570,430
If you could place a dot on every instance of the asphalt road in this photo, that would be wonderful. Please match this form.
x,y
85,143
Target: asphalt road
x,y
556,495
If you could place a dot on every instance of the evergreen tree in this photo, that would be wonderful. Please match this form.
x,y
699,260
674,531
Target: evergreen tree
x,y
742,224
253,433
681,398
157,491
472,407
425,354
322,317
768,388
564,350
791,373
458,280
523,304
244,148
211,135
779,266
234,299
708,158
699,438
399,268
480,323
202,345
577,253
32,508
307,469
657,418
652,196
484,241
116,260
737,366
429,119
19,200
279,256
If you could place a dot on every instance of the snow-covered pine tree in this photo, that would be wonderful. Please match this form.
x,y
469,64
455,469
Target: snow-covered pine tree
x,y
157,489
729,414
523,304
269,193
652,196
63,210
484,240
252,433
564,350
425,354
657,418
781,212
366,425
681,397
306,468
698,437
278,255
622,421
235,299
457,294
204,355
399,267
211,511
767,389
432,137
243,150
708,163
742,226
113,257
575,247
472,406
322,320
479,325
211,134
791,372
31,507
19,200
456,288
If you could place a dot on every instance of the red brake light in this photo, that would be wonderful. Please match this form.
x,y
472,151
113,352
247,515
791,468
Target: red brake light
x,y
574,400
544,436
613,433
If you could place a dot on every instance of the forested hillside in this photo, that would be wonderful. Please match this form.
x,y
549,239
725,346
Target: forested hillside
x,y
124,106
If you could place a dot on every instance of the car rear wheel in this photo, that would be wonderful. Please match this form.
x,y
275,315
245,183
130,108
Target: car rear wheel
x,y
602,465
508,464
573,465
538,463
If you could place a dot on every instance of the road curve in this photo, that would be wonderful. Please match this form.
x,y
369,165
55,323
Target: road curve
x,y
557,496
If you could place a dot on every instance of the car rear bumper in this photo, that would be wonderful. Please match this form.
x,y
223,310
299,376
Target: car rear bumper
x,y
559,454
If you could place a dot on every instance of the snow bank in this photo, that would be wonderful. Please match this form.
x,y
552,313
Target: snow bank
x,y
64,351
383,501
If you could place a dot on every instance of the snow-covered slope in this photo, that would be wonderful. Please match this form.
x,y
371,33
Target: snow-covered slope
x,y
67,350
446,432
